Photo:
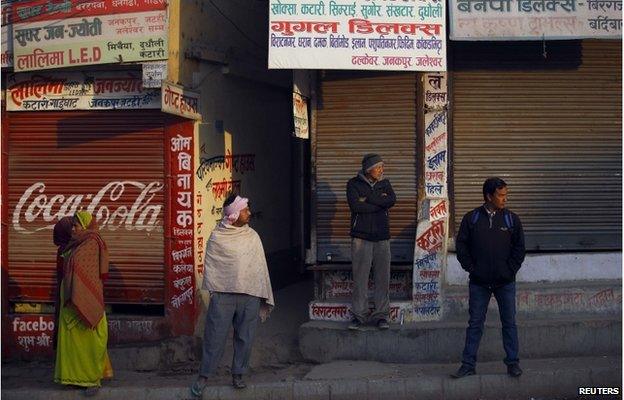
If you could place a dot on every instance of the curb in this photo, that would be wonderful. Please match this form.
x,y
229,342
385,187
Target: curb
x,y
555,384
443,341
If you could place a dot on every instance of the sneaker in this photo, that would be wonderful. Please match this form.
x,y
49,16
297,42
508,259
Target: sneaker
x,y
514,370
355,324
237,382
382,324
463,371
91,391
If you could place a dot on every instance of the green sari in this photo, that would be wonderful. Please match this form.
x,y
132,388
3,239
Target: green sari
x,y
81,355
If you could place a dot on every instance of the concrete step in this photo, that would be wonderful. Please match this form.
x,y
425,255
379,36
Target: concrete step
x,y
161,356
322,341
543,379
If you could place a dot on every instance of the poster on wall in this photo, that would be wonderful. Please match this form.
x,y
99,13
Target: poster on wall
x,y
90,38
183,221
429,262
436,135
154,73
300,115
358,35
535,19
7,36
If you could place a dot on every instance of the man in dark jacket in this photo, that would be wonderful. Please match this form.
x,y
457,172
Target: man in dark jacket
x,y
370,196
490,247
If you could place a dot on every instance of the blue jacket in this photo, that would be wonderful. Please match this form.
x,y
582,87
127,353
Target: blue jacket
x,y
491,251
369,218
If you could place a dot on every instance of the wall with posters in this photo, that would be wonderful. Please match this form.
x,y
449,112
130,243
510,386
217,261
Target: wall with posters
x,y
243,142
250,155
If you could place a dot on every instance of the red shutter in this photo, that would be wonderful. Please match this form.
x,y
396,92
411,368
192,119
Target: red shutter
x,y
111,162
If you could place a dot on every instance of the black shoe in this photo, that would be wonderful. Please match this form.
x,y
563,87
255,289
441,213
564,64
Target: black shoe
x,y
355,324
514,370
237,382
382,324
464,370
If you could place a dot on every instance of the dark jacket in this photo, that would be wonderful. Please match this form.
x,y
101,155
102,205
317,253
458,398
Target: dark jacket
x,y
491,253
369,218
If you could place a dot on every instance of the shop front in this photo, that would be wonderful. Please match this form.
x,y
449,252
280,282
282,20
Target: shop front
x,y
131,167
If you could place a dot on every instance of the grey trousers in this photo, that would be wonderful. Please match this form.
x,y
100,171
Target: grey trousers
x,y
364,255
225,310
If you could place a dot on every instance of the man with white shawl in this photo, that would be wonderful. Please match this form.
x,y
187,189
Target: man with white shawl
x,y
236,274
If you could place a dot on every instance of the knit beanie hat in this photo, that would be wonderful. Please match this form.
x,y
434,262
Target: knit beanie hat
x,y
370,160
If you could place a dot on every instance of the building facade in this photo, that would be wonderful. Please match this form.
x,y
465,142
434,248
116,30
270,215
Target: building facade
x,y
148,122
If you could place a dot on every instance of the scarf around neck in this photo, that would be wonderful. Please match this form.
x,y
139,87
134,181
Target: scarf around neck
x,y
86,261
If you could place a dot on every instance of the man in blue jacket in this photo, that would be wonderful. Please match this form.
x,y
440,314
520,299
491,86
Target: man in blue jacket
x,y
490,247
370,196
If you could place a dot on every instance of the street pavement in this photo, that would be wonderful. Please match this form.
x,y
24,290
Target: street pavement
x,y
557,378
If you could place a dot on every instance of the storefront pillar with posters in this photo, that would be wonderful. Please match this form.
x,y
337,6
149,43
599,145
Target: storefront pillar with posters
x,y
182,248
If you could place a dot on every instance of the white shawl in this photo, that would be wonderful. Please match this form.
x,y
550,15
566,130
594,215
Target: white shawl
x,y
235,263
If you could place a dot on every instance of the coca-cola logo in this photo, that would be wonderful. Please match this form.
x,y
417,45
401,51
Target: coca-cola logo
x,y
141,215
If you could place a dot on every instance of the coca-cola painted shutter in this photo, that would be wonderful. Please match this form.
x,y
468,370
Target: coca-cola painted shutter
x,y
108,162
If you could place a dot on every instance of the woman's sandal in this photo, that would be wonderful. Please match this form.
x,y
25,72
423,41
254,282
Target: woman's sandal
x,y
198,387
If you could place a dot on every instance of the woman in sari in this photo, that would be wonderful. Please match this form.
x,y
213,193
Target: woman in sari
x,y
81,355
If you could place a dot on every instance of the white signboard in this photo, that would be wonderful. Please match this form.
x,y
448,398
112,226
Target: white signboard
x,y
79,91
179,101
358,35
154,73
90,40
535,19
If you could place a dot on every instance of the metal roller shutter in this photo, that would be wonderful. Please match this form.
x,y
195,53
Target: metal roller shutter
x,y
364,113
555,137
112,161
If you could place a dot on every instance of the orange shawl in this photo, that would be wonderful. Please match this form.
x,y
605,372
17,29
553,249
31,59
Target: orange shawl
x,y
84,268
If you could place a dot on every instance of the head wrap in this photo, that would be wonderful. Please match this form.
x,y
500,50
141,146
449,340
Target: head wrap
x,y
63,232
232,211
84,218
